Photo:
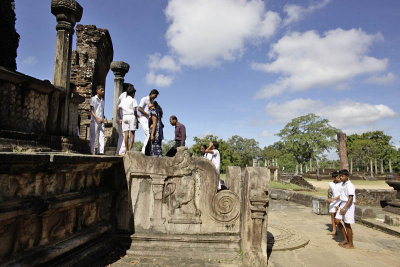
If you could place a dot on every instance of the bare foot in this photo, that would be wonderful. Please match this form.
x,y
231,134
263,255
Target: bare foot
x,y
348,246
331,233
345,242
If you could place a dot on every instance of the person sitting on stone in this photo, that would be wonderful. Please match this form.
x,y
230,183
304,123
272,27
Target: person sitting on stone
x,y
334,189
97,120
129,119
346,209
215,158
180,135
156,129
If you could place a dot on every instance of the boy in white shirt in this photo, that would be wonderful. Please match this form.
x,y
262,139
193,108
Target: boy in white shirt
x,y
334,190
97,120
215,158
129,119
346,209
121,136
144,115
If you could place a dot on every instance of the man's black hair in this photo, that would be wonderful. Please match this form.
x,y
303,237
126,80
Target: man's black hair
x,y
174,117
125,86
158,107
335,174
204,146
215,144
154,91
344,172
131,91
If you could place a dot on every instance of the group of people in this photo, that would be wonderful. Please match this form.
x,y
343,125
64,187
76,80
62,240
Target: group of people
x,y
342,207
148,114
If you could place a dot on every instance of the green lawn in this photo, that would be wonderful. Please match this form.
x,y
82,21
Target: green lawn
x,y
278,185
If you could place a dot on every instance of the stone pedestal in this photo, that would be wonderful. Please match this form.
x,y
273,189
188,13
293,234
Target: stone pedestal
x,y
393,206
119,69
67,12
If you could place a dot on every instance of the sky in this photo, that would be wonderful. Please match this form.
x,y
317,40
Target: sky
x,y
242,67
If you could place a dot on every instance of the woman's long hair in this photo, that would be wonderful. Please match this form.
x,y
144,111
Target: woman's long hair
x,y
158,107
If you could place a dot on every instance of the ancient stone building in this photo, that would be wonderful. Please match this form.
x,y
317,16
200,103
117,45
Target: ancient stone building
x,y
9,45
90,65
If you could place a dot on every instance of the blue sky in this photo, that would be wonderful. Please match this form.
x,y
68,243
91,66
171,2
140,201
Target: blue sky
x,y
228,67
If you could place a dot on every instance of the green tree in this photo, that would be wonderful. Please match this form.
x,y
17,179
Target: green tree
x,y
228,158
166,146
308,137
137,146
245,149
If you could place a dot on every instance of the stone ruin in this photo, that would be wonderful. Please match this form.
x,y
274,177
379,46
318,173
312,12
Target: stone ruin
x,y
66,209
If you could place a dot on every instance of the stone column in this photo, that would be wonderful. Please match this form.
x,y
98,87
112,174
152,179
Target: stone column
x,y
254,163
351,166
67,13
310,165
382,170
344,164
119,68
297,169
156,219
376,167
301,168
390,166
372,169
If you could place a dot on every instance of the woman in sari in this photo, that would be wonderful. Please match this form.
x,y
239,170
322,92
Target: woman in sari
x,y
156,129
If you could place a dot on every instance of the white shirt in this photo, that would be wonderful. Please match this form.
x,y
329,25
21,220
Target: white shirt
x,y
128,105
335,188
121,96
144,104
216,159
207,156
347,189
98,107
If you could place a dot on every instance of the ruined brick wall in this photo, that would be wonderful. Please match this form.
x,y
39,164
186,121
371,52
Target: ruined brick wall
x,y
9,39
90,64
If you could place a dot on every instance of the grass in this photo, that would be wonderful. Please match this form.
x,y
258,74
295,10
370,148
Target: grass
x,y
278,185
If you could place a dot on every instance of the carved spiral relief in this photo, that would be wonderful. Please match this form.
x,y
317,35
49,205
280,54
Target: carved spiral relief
x,y
225,206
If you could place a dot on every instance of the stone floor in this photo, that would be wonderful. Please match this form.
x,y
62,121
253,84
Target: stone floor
x,y
296,222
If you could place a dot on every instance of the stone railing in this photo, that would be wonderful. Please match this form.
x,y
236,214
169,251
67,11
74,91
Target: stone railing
x,y
53,203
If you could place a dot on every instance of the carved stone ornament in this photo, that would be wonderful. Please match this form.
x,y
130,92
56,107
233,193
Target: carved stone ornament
x,y
67,7
119,68
258,202
225,206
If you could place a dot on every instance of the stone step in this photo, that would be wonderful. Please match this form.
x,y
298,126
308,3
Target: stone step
x,y
187,246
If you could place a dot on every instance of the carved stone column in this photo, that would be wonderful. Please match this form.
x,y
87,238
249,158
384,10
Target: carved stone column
x,y
67,13
157,220
119,69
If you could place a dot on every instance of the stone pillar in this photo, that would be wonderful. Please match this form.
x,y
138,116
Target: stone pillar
x,y
254,163
276,174
301,168
376,167
255,217
157,221
371,169
382,170
390,166
119,68
351,166
344,164
265,163
276,161
310,165
67,13
297,169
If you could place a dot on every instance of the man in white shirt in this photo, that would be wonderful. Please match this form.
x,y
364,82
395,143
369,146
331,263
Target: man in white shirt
x,y
97,120
334,190
346,209
215,158
121,137
129,119
144,115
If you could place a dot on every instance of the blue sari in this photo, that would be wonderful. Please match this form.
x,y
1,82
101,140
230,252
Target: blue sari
x,y
156,145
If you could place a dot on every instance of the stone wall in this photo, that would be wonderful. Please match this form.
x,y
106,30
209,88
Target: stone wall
x,y
49,199
374,197
24,102
9,37
90,64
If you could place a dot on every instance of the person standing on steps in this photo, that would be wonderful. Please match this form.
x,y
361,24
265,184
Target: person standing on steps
x,y
144,116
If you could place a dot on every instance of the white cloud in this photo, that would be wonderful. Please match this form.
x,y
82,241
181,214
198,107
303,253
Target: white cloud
x,y
207,32
383,79
31,60
307,60
346,114
296,13
158,80
266,133
156,62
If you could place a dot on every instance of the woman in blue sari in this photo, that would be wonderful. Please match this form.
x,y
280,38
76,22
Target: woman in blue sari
x,y
156,129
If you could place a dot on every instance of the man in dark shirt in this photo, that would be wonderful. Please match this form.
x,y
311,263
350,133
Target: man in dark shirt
x,y
180,135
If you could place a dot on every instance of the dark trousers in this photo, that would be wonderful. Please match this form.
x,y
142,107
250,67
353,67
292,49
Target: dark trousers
x,y
174,149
